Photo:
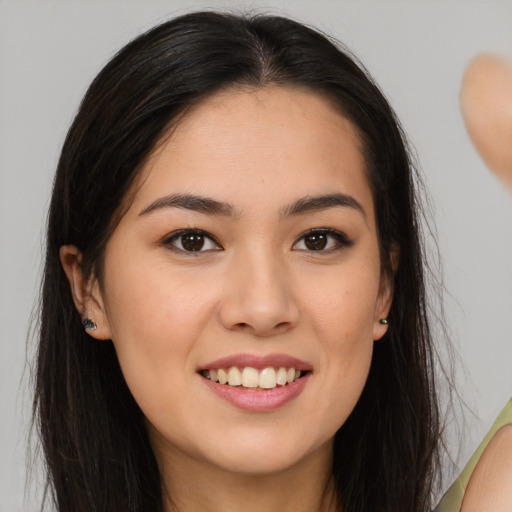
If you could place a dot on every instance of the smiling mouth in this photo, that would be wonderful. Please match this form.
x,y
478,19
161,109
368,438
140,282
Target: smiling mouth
x,y
254,379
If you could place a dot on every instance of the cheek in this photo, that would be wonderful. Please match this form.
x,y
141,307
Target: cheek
x,y
342,306
144,294
347,362
155,318
342,312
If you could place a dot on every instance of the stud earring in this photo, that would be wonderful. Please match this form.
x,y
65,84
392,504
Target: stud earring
x,y
383,321
89,325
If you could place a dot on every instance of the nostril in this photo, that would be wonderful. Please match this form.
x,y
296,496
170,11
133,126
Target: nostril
x,y
281,326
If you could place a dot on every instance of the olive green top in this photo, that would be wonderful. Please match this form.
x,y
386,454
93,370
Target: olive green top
x,y
452,500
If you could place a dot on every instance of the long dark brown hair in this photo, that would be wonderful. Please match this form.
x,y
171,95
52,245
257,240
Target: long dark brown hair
x,y
96,447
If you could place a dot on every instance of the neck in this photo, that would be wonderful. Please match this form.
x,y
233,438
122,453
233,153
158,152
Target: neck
x,y
192,485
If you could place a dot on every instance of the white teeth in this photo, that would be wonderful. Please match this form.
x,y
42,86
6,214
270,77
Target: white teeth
x,y
234,376
222,375
250,377
281,377
268,378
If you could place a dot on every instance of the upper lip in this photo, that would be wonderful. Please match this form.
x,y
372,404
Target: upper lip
x,y
258,362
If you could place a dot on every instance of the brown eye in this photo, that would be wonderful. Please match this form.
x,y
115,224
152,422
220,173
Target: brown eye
x,y
323,240
192,242
316,241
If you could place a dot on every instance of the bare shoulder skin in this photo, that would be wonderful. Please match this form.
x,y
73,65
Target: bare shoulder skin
x,y
490,486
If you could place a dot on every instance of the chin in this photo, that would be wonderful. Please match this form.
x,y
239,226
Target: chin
x,y
261,454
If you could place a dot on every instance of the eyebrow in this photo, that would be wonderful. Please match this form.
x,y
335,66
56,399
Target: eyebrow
x,y
310,204
210,206
199,204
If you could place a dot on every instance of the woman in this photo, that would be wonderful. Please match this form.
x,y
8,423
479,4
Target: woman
x,y
233,222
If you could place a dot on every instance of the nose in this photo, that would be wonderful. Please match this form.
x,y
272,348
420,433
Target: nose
x,y
259,298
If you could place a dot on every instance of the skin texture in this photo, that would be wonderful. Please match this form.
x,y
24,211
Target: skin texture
x,y
486,103
256,290
490,489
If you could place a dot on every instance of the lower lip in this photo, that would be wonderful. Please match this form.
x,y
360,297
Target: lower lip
x,y
261,400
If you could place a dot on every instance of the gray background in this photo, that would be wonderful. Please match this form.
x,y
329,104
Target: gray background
x,y
417,50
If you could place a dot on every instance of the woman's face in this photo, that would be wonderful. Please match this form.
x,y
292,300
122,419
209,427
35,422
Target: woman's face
x,y
250,246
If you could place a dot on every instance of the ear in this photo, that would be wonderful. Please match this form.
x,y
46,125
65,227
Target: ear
x,y
86,292
385,297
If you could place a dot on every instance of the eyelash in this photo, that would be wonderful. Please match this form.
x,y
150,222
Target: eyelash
x,y
169,241
341,240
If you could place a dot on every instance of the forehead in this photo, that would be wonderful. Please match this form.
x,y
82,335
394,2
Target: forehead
x,y
274,143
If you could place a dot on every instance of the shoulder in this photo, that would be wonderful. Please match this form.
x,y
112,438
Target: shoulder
x,y
490,486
